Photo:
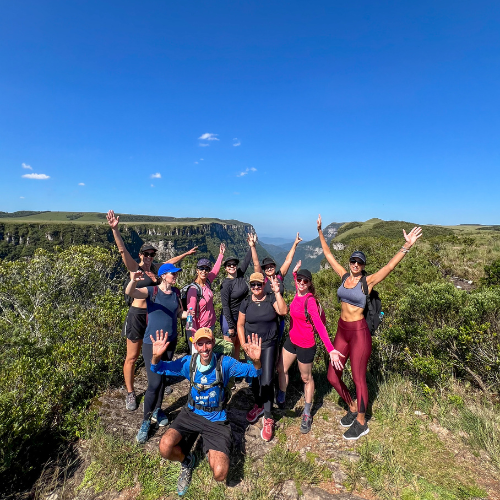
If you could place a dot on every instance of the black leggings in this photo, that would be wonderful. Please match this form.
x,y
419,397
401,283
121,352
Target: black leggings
x,y
156,383
263,386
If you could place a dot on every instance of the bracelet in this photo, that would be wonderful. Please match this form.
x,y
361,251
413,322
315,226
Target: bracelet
x,y
404,250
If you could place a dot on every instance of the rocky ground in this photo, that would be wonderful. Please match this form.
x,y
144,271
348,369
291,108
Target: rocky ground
x,y
324,443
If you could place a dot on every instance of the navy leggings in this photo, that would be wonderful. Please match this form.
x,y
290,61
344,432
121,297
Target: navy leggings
x,y
353,339
263,386
156,383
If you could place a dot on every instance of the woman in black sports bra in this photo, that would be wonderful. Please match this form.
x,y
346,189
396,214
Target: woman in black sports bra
x,y
353,338
135,323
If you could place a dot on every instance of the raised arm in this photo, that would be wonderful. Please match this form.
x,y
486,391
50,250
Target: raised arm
x,y
252,241
246,261
132,291
225,297
113,222
288,261
294,272
280,305
178,258
328,254
215,270
241,328
410,240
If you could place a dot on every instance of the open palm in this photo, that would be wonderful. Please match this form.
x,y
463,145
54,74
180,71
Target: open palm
x,y
413,235
112,220
253,347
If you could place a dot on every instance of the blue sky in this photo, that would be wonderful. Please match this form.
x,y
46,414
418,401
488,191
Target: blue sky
x,y
267,112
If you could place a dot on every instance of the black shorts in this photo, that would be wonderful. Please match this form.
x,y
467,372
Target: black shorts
x,y
215,435
305,355
135,323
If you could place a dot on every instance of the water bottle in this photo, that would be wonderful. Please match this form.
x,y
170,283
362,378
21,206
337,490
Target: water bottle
x,y
189,319
381,316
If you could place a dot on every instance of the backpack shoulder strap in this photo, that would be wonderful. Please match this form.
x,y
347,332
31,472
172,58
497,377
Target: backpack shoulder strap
x,y
306,312
218,371
192,368
155,293
364,285
345,276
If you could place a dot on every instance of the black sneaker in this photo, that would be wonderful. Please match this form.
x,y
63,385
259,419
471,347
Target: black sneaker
x,y
305,424
185,476
356,431
348,418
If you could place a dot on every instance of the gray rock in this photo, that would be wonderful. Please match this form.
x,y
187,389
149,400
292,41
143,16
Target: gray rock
x,y
289,491
314,493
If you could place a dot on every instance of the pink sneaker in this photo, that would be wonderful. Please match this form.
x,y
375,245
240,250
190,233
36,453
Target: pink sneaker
x,y
267,432
254,414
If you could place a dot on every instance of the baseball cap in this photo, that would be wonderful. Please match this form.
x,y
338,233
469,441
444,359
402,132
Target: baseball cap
x,y
268,261
258,277
359,255
229,259
305,274
204,262
203,333
168,268
146,247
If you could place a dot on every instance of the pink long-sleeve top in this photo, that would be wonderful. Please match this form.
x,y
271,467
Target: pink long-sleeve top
x,y
301,331
204,315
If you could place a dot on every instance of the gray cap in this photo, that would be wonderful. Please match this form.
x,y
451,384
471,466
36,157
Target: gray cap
x,y
358,255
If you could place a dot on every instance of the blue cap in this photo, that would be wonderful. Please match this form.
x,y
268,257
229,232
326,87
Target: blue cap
x,y
359,255
168,268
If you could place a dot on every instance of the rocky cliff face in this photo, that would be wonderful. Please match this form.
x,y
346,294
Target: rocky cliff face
x,y
18,239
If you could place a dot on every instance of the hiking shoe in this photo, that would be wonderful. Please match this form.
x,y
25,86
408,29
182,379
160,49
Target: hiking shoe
x,y
143,434
267,432
254,414
186,475
356,431
131,401
159,417
348,418
305,424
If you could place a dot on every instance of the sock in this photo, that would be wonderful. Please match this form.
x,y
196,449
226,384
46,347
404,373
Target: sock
x,y
280,398
307,409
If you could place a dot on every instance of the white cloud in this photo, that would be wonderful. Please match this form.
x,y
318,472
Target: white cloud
x,y
204,145
236,142
196,163
22,197
81,184
201,159
152,185
36,176
156,176
246,172
29,167
208,137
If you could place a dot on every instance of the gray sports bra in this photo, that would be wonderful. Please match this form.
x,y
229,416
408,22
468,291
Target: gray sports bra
x,y
353,296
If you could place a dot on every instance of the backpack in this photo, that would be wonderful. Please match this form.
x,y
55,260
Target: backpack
x,y
128,298
219,381
373,309
199,295
321,313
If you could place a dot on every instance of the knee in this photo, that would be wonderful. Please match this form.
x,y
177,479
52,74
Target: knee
x,y
306,377
166,445
220,472
281,369
333,377
131,359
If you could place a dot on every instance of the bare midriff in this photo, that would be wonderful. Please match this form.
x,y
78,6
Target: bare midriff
x,y
139,303
350,313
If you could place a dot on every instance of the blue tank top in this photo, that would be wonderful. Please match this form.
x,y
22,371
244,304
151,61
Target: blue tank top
x,y
353,296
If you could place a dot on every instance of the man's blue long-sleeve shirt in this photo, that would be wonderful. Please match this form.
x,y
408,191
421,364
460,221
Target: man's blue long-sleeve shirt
x,y
210,397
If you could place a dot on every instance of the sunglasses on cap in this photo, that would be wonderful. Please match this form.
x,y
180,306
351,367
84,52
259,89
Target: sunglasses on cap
x,y
356,261
303,280
257,284
205,268
149,254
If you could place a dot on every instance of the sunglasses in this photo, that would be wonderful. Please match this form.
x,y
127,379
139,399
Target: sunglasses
x,y
149,254
232,264
303,280
357,261
255,285
205,268
269,266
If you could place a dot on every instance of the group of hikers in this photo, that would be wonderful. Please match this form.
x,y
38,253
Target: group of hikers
x,y
252,319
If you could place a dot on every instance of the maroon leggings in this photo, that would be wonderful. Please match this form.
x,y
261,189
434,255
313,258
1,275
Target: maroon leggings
x,y
353,340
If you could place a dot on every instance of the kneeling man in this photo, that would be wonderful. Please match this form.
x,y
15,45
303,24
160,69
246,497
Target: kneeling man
x,y
204,413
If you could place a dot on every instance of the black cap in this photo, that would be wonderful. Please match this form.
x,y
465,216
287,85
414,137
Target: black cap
x,y
229,259
358,254
267,261
147,247
305,274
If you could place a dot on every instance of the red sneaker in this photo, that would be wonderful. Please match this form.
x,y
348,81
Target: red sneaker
x,y
267,432
254,414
